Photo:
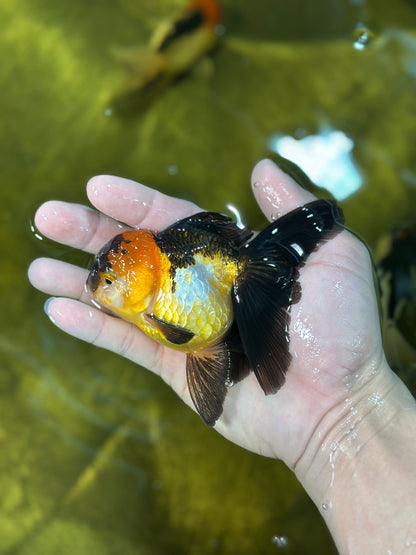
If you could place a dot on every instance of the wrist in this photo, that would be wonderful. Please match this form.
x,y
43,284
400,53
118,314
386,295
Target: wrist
x,y
356,464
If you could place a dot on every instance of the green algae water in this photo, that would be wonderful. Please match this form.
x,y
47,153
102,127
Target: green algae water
x,y
97,455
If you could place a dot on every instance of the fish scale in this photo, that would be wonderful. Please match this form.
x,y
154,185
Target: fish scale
x,y
198,298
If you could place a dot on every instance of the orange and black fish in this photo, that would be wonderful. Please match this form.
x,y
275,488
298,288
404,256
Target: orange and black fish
x,y
175,46
202,287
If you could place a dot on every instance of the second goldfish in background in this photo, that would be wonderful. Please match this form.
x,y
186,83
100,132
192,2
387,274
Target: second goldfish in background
x,y
175,46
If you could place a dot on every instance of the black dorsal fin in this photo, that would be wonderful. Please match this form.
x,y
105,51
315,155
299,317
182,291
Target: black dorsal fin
x,y
174,334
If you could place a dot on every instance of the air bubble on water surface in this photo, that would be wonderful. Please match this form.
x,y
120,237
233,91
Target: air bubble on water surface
x,y
279,541
219,30
173,169
362,37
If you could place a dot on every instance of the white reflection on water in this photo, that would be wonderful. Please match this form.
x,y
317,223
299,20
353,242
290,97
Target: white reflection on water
x,y
326,158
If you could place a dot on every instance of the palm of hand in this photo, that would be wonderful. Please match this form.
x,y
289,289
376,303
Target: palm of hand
x,y
331,331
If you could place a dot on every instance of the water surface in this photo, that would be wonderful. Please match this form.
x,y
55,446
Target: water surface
x,y
98,456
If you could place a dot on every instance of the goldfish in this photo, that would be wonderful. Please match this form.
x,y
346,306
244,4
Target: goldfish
x,y
175,46
205,286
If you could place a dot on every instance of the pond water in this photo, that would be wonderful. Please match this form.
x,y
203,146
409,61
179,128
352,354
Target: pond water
x,y
98,456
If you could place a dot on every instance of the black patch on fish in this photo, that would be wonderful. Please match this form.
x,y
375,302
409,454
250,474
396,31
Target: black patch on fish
x,y
191,20
214,223
174,334
207,233
179,247
267,285
102,264
94,278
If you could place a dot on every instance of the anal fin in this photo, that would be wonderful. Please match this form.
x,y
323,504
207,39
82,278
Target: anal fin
x,y
207,373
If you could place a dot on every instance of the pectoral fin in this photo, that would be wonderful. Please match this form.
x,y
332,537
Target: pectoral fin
x,y
174,334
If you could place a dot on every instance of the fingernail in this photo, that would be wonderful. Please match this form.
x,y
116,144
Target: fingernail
x,y
46,307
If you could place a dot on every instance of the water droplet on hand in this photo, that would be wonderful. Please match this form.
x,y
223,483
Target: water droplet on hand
x,y
34,231
326,505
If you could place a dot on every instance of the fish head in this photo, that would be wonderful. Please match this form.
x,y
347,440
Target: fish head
x,y
125,274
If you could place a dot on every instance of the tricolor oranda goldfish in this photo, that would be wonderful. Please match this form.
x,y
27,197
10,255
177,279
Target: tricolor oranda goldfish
x,y
173,49
203,287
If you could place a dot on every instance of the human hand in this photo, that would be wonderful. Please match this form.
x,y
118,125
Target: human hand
x,y
334,333
343,421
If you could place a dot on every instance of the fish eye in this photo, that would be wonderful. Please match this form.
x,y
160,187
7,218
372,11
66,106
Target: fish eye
x,y
109,278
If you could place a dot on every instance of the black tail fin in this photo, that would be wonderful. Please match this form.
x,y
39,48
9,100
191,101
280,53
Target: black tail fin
x,y
300,231
267,285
